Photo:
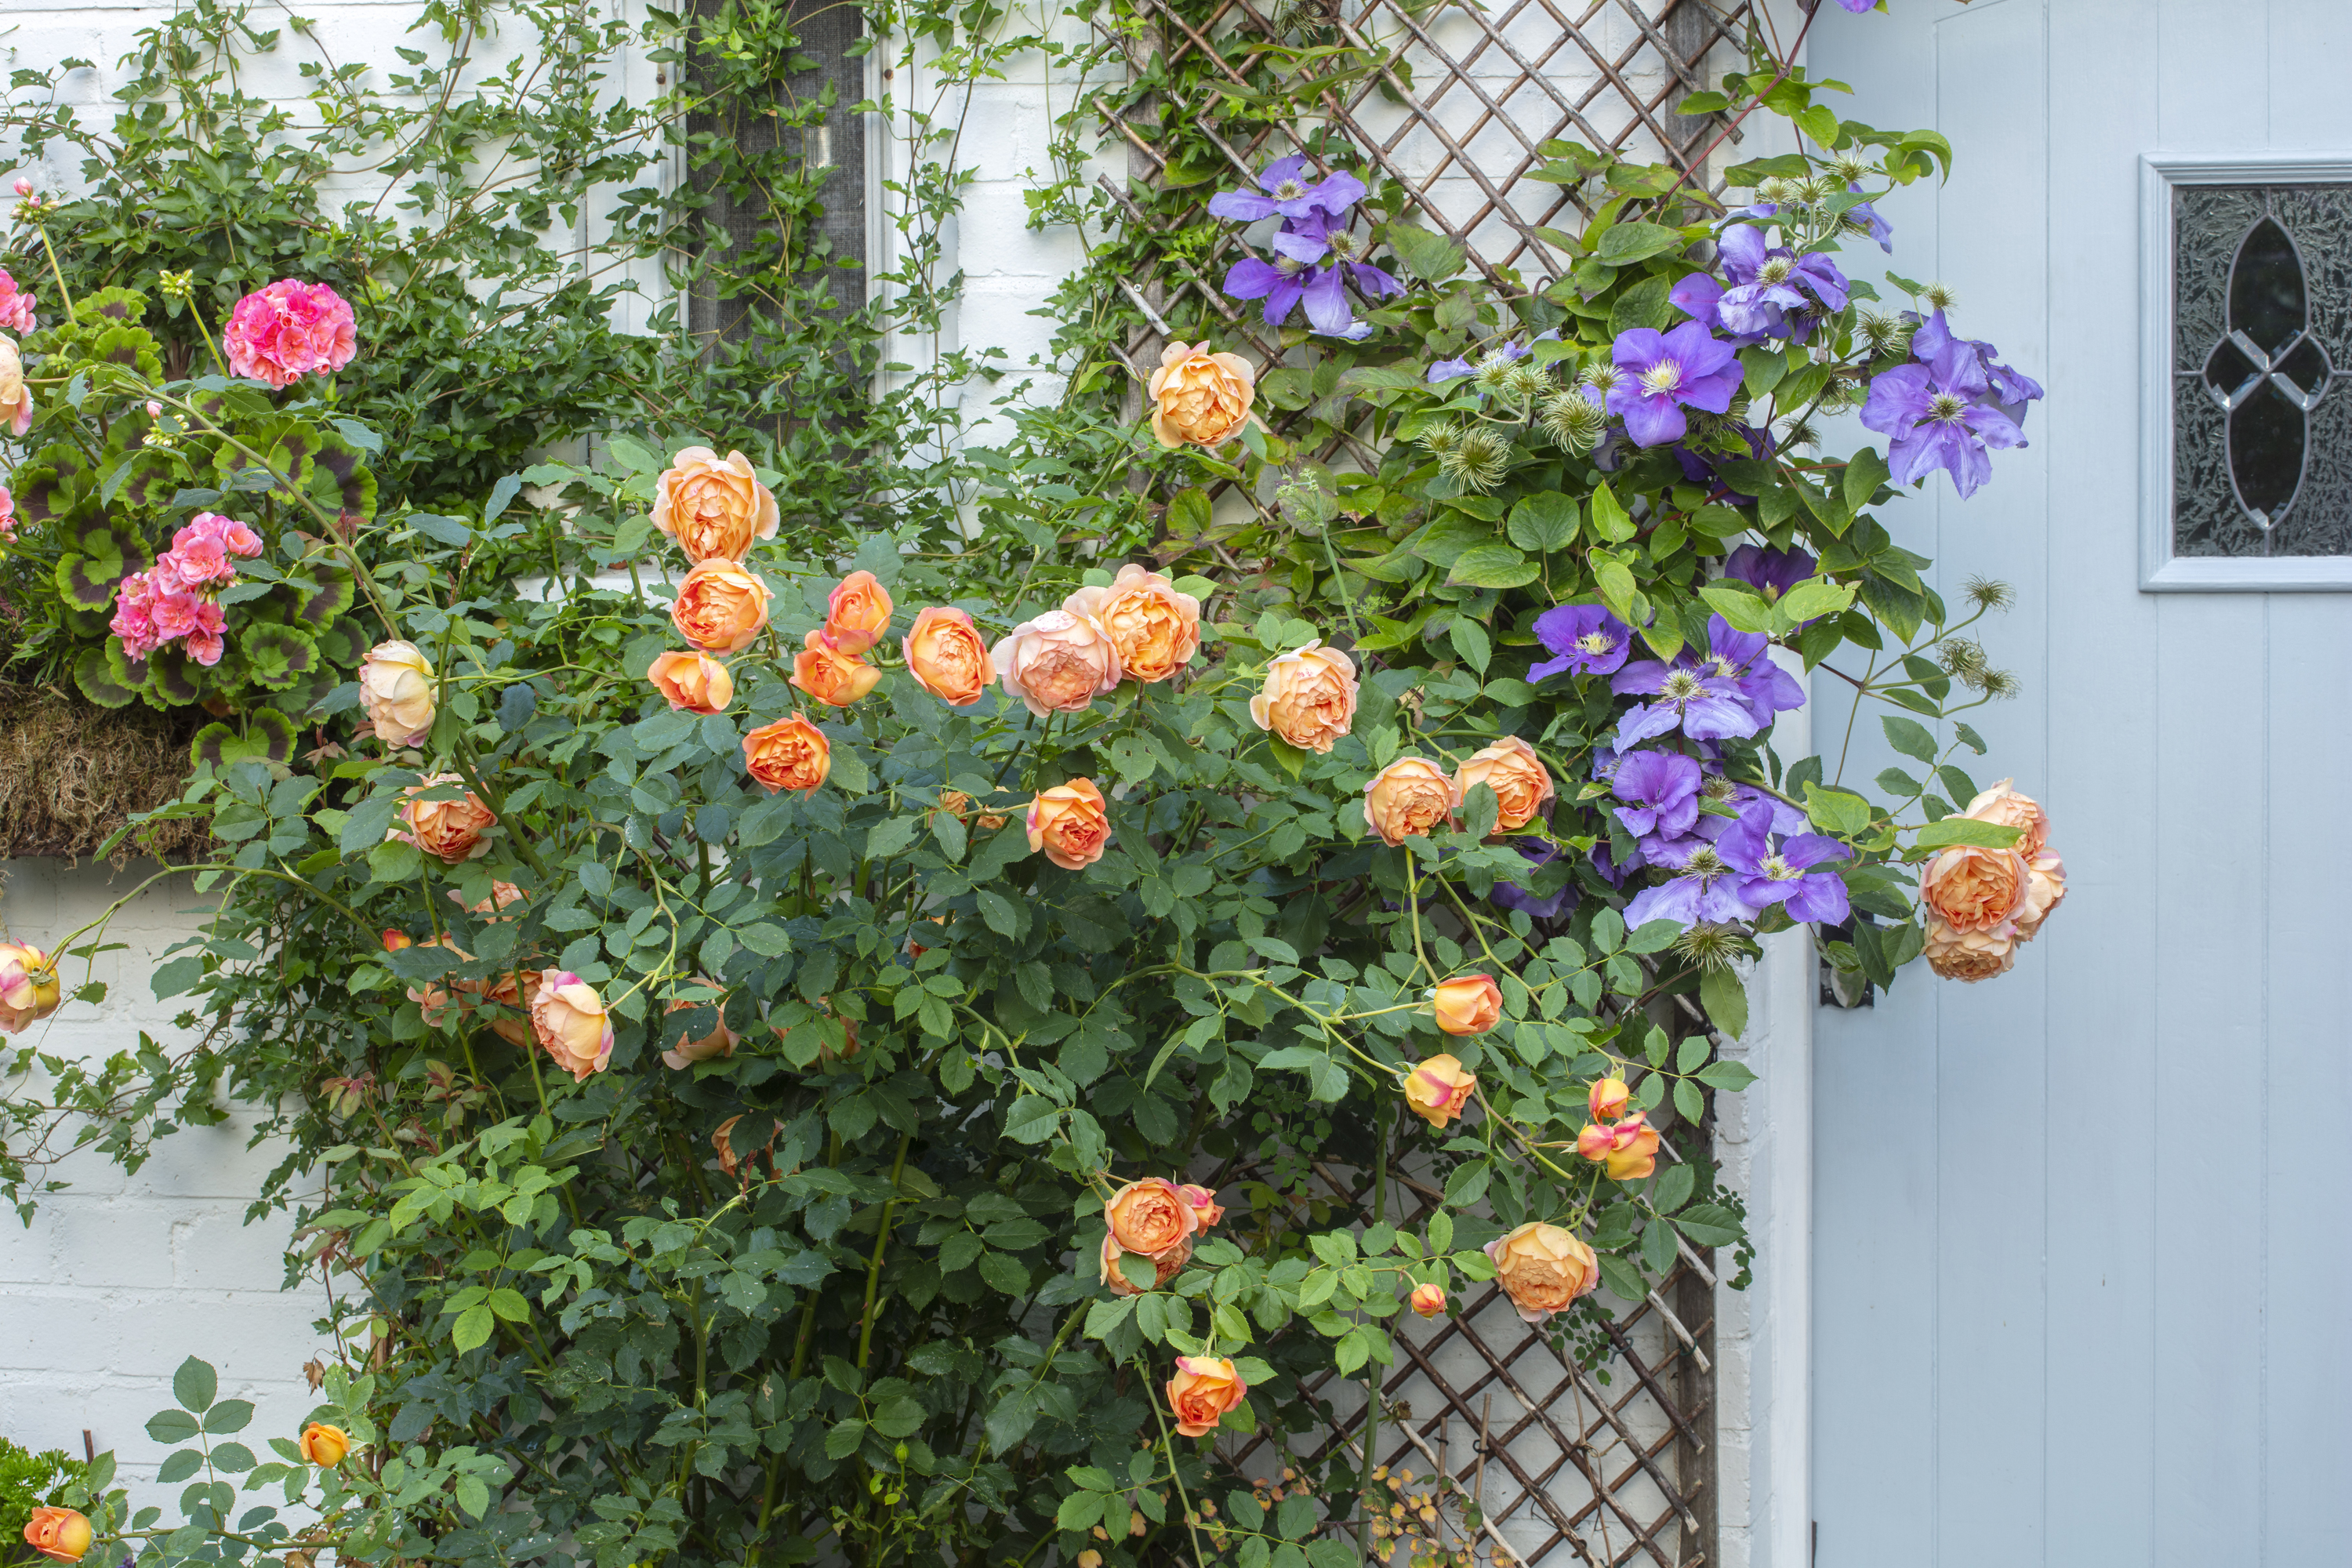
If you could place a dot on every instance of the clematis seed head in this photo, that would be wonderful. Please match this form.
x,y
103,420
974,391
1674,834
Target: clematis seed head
x,y
1939,296
1988,594
1573,420
1478,461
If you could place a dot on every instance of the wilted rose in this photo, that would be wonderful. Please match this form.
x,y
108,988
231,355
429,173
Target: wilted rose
x,y
397,690
1149,1216
946,655
448,830
1202,1390
1165,1266
29,988
1156,629
791,753
1438,1089
714,507
324,1446
858,613
1428,1300
720,606
2006,808
718,1044
1973,889
1629,1148
1068,823
569,1018
1468,1004
692,683
60,1534
2046,890
1309,697
1512,770
1609,1099
1543,1269
1410,795
831,674
1969,955
1058,663
1199,397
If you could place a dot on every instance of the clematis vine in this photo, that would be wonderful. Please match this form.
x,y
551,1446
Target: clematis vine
x,y
1661,792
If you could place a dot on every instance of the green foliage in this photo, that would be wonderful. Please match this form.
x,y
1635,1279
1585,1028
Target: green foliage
x,y
27,1482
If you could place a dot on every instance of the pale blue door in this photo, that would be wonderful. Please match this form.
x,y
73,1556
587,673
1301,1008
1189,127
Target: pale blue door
x,y
2083,1293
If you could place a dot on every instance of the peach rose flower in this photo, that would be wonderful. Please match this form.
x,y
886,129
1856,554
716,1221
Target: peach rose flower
x,y
791,753
501,895
947,656
448,830
1543,1269
1067,822
1165,1267
59,1535
1205,1207
1428,1300
1151,1216
1438,1089
1410,795
1630,1148
960,805
858,613
16,397
1309,698
29,988
1512,770
694,682
1058,663
830,674
397,690
1468,1004
1608,1099
2046,890
2006,808
1156,629
324,1446
503,1002
1974,888
1969,955
1202,1390
720,606
433,1002
714,507
569,1018
717,1044
1199,397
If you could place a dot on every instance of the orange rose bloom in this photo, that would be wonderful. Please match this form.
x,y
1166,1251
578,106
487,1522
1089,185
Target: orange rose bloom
x,y
1608,1099
1204,1203
1156,629
858,613
831,675
569,1018
1438,1089
1469,1003
29,987
1543,1269
1058,663
1198,396
1428,1300
1149,1216
1410,795
1512,770
2004,807
1068,824
713,507
448,830
2046,890
501,895
1309,698
324,1446
717,1044
1630,1148
1202,1390
498,996
791,753
1973,889
60,1534
693,681
1969,955
946,655
1165,1266
720,606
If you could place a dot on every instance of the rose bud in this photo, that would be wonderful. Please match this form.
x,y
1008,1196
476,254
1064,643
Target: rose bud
x,y
1410,795
857,614
1629,1148
569,1018
1198,397
1309,698
720,606
1155,630
1068,823
324,1446
1543,1269
947,656
1512,770
449,830
29,988
692,683
60,1534
1438,1089
1606,1102
397,690
791,753
1429,1299
714,508
1204,1203
1468,1004
1202,1390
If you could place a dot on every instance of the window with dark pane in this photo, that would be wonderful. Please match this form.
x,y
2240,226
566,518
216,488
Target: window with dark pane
x,y
2262,338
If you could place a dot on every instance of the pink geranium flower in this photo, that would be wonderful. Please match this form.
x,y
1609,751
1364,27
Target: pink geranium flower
x,y
15,305
288,331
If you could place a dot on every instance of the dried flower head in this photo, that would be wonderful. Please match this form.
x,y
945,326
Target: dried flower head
x,y
1603,378
1711,945
1850,166
1777,189
1528,381
1573,420
1960,657
1478,460
1799,432
1939,296
1440,439
1988,594
2000,684
1494,371
1881,330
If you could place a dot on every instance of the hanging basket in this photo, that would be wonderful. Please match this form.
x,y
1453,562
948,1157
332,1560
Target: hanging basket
x,y
72,773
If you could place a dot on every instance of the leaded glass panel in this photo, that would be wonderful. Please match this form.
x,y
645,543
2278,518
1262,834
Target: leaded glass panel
x,y
2263,370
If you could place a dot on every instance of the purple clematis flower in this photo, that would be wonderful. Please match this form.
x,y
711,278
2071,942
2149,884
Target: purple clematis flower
x,y
2009,390
1611,871
1288,193
1860,7
1863,219
1708,889
1666,372
1279,282
1586,639
1935,417
1768,876
1786,818
1742,659
1539,906
1661,792
1702,704
1771,573
1774,292
1448,370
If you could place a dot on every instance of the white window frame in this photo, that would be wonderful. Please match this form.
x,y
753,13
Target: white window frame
x,y
2162,572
